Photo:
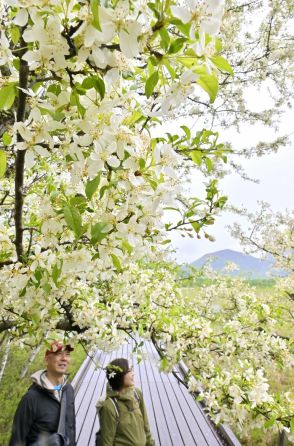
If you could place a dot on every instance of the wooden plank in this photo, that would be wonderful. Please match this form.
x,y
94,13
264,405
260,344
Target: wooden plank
x,y
144,386
159,377
155,388
185,423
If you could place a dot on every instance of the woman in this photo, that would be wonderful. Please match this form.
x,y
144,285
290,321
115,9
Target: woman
x,y
122,415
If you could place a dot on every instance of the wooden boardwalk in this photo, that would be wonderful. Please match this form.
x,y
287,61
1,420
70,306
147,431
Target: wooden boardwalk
x,y
175,418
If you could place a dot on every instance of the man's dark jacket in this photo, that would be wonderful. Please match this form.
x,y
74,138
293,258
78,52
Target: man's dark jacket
x,y
38,412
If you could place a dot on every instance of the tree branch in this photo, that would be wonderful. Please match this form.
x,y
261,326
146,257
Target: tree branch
x,y
20,157
62,324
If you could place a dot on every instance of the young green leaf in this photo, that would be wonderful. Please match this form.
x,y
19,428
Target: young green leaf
x,y
95,11
73,219
7,96
209,83
2,163
177,45
116,262
100,87
98,232
151,84
92,186
6,138
222,64
164,36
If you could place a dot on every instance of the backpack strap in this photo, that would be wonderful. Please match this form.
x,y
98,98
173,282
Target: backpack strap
x,y
137,397
115,403
61,424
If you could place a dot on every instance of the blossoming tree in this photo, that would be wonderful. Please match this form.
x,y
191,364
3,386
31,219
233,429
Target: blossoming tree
x,y
257,40
84,185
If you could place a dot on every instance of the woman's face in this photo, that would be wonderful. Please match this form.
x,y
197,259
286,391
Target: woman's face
x,y
129,378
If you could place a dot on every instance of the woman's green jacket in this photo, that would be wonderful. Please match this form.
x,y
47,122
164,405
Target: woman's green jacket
x,y
130,426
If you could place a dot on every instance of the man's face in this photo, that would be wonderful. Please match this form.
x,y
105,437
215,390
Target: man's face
x,y
58,362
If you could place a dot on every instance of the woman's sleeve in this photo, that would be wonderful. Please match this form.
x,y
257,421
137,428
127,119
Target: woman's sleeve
x,y
149,439
108,424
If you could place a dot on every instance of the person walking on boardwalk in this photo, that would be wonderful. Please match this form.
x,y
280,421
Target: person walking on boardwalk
x,y
122,414
45,415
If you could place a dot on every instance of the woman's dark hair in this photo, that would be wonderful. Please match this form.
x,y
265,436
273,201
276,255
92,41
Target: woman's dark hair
x,y
115,372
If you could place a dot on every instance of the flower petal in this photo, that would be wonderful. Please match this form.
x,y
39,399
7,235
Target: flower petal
x,y
21,17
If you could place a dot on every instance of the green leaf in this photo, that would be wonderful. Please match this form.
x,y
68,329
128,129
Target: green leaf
x,y
151,83
218,45
167,5
116,262
184,28
169,67
196,226
75,100
55,89
176,45
92,186
209,83
94,82
73,219
38,274
164,363
95,11
209,164
100,86
164,36
187,131
6,138
98,232
56,271
47,287
142,163
89,83
126,247
269,422
16,64
2,163
196,157
222,64
7,96
15,34
153,8
136,116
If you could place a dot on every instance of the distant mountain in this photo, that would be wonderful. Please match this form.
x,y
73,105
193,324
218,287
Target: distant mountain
x,y
248,266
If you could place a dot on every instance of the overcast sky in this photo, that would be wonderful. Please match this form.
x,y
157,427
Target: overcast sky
x,y
275,173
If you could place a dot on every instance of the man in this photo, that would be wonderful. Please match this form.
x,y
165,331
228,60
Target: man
x,y
37,415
